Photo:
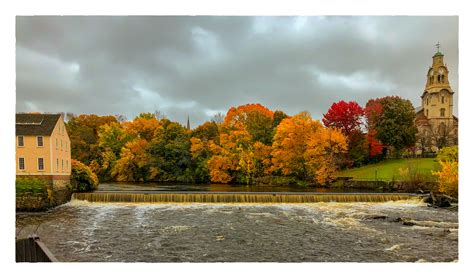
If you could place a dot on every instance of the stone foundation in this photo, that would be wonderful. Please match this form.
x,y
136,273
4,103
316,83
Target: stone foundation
x,y
57,193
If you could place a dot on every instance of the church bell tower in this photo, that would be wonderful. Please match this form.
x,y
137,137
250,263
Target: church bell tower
x,y
437,97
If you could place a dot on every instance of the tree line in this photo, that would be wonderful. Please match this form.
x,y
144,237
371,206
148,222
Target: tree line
x,y
248,144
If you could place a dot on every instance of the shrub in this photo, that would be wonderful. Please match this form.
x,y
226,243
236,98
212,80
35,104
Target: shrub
x,y
82,177
30,185
448,154
448,178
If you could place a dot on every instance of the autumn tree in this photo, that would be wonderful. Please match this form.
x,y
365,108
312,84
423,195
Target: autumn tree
x,y
83,132
448,174
392,120
230,158
345,116
305,149
325,149
143,128
206,132
256,119
278,116
133,164
112,138
348,117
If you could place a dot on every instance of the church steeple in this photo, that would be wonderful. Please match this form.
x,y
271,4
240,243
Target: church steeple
x,y
438,72
188,126
437,98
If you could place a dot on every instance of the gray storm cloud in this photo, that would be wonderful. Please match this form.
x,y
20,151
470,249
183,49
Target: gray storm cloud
x,y
199,66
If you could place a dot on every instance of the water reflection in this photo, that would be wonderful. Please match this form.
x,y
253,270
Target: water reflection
x,y
223,188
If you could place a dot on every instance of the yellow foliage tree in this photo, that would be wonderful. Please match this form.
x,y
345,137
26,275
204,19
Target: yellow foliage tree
x,y
324,148
133,162
448,178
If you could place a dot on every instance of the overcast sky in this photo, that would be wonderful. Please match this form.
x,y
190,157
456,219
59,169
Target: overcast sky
x,y
199,66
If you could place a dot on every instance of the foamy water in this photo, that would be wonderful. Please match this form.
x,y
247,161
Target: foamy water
x,y
340,232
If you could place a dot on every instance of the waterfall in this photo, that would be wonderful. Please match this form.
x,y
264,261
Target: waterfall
x,y
238,197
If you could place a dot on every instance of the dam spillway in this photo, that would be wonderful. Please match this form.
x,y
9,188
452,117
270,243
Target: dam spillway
x,y
238,197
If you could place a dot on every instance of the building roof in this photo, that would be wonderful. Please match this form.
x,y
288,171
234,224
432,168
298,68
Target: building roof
x,y
420,118
438,54
36,124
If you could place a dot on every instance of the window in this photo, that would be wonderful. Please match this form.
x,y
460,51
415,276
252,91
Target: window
x,y
40,164
21,163
62,165
21,142
56,143
61,144
427,113
39,140
67,164
442,112
57,164
439,78
442,99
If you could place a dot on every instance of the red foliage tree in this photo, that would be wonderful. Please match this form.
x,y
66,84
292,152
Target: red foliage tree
x,y
373,110
345,116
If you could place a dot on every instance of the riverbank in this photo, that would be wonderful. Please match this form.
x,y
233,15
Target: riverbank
x,y
50,196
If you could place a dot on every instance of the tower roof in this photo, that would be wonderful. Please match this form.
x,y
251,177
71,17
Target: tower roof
x,y
438,54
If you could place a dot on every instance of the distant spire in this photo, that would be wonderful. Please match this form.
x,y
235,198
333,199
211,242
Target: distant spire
x,y
437,46
188,126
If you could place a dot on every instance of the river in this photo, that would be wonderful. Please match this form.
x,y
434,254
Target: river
x,y
80,231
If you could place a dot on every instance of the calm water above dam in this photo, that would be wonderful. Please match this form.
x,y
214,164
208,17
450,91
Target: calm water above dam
x,y
221,188
319,232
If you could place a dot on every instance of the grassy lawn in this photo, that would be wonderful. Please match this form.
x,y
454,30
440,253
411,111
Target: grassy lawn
x,y
389,170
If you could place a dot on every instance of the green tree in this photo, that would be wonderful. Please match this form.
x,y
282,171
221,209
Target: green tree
x,y
170,153
395,124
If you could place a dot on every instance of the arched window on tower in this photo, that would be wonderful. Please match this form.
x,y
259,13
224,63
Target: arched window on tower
x,y
439,78
442,99
427,113
442,111
442,78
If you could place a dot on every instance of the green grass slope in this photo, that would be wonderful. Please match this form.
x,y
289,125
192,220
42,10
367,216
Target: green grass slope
x,y
389,170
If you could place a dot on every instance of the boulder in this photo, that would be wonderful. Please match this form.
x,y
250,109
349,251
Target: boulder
x,y
439,200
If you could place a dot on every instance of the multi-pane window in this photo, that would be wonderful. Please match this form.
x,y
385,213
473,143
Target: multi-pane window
x,y
21,142
39,140
442,111
40,164
21,163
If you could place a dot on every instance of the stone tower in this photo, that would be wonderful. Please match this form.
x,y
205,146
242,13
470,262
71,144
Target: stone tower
x,y
437,98
437,126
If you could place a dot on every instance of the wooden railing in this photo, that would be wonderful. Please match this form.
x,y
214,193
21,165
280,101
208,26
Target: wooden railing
x,y
32,250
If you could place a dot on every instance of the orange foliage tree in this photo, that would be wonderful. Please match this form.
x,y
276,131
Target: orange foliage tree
x,y
256,119
303,148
